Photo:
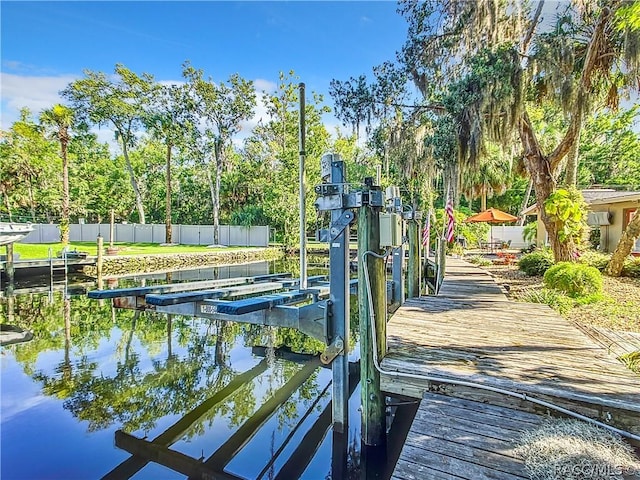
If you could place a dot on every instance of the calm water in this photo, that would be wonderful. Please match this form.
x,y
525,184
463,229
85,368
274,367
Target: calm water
x,y
256,393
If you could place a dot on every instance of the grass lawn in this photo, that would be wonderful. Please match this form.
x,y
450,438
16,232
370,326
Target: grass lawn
x,y
41,250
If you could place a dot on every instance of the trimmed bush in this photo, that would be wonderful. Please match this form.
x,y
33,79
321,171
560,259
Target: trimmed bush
x,y
536,263
632,268
575,279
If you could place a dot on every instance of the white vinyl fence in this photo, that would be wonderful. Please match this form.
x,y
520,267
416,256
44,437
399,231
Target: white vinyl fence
x,y
506,233
231,235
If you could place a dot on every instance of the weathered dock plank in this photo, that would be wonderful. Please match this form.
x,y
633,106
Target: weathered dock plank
x,y
462,439
472,332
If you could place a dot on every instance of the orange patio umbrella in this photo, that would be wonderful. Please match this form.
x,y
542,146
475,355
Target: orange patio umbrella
x,y
491,216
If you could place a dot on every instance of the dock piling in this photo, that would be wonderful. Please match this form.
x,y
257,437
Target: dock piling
x,y
413,281
372,304
99,253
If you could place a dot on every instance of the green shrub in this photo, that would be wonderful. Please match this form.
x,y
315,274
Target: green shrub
x,y
595,259
631,360
479,260
555,299
536,263
575,279
632,268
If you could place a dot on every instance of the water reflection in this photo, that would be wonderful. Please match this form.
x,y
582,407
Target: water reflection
x,y
248,400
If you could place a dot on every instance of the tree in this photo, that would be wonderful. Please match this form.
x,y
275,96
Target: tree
x,y
609,150
625,245
119,102
169,117
61,119
474,58
222,107
273,147
29,180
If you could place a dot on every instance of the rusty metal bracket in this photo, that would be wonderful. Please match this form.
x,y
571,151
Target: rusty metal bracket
x,y
332,351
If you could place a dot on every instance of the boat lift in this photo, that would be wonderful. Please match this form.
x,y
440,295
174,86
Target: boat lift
x,y
321,310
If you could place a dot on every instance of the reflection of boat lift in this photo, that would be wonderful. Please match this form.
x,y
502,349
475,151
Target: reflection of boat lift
x,y
158,450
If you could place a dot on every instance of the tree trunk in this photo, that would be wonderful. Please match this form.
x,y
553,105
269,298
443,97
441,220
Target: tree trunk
x,y
212,188
168,233
32,204
216,202
134,182
483,199
571,175
64,232
7,205
545,184
525,203
625,245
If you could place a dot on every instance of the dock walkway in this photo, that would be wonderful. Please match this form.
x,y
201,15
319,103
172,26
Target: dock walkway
x,y
471,331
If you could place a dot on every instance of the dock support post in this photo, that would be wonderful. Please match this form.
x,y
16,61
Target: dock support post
x,y
99,259
111,228
9,265
372,303
398,275
413,282
339,298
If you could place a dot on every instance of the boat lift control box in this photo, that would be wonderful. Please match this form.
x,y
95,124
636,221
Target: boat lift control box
x,y
390,230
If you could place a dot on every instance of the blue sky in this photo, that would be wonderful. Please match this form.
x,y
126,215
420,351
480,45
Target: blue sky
x,y
45,45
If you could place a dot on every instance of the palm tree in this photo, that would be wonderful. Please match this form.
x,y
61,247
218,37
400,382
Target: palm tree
x,y
60,117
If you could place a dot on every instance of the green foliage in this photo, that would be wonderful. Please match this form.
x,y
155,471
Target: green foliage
x,y
609,146
249,215
554,298
575,279
595,259
567,209
631,268
530,232
478,260
536,263
631,360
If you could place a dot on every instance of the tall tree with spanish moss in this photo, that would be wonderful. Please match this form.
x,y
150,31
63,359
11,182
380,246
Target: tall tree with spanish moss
x,y
485,63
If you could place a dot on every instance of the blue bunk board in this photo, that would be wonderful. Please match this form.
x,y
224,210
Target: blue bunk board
x,y
248,305
142,291
177,298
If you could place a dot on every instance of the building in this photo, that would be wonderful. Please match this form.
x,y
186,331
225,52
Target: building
x,y
609,210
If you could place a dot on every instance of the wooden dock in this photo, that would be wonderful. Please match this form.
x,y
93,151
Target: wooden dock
x,y
455,438
472,332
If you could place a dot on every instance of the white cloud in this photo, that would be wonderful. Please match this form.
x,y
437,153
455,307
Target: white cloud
x,y
34,92
264,85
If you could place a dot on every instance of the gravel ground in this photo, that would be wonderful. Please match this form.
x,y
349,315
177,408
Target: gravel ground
x,y
619,310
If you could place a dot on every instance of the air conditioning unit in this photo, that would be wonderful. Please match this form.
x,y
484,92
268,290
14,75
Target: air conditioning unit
x,y
597,219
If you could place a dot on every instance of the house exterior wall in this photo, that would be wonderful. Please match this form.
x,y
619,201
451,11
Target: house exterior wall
x,y
610,234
